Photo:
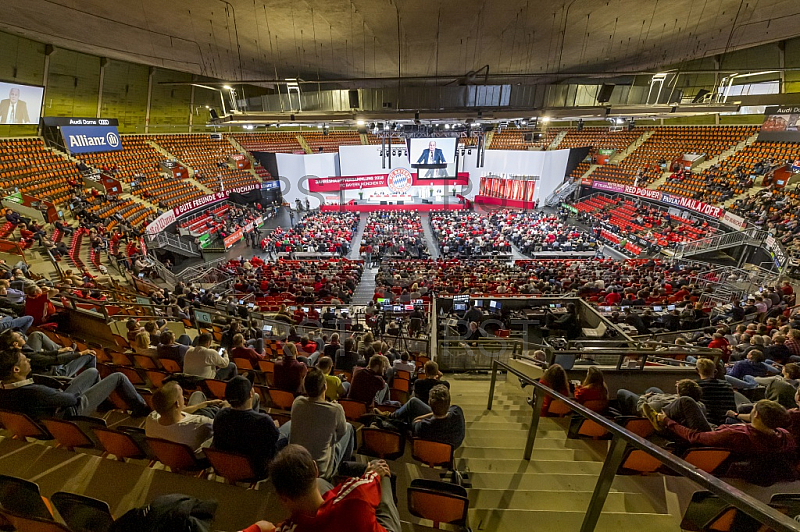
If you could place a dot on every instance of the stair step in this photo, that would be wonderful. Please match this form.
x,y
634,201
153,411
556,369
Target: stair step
x,y
515,453
547,500
532,481
536,465
520,520
519,442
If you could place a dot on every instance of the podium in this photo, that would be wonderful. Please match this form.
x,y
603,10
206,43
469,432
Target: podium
x,y
431,168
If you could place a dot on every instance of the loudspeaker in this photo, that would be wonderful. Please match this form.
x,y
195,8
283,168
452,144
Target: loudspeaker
x,y
354,99
362,130
604,95
213,113
400,203
384,203
701,94
580,125
527,137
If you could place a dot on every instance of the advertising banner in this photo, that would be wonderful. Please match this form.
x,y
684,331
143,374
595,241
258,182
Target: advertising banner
x,y
656,195
91,139
732,220
781,124
233,238
398,181
168,217
603,155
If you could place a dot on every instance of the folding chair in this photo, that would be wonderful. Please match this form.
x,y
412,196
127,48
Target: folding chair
x,y
68,434
177,456
215,388
170,365
22,497
353,410
439,502
707,459
120,444
436,454
21,426
280,399
32,524
381,443
81,513
637,462
233,467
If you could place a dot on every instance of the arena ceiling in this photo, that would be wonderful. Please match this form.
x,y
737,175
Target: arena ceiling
x,y
436,40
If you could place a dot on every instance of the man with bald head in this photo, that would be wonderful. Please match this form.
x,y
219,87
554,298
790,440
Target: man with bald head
x,y
13,110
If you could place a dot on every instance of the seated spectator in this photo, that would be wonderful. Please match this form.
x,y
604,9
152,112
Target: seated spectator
x,y
777,350
362,504
684,405
347,357
433,376
742,373
436,421
763,438
208,363
336,388
404,364
170,350
289,372
243,418
133,328
47,357
240,350
717,395
554,378
593,389
39,308
141,345
81,398
174,420
368,385
330,349
320,426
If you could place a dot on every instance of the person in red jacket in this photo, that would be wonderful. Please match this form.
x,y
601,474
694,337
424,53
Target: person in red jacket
x,y
763,435
362,504
593,389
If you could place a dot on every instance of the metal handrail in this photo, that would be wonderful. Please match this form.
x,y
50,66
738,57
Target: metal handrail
x,y
165,238
621,439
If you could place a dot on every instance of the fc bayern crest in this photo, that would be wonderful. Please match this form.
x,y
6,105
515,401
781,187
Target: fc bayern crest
x,y
399,180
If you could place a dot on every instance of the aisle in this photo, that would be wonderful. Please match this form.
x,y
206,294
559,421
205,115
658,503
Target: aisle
x,y
430,241
366,288
355,242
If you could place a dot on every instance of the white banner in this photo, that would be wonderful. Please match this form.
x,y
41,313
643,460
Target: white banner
x,y
734,221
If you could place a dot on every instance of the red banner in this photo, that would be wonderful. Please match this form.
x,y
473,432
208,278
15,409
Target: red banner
x,y
399,178
233,238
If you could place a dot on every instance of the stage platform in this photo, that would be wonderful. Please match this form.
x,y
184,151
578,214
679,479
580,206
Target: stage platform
x,y
363,206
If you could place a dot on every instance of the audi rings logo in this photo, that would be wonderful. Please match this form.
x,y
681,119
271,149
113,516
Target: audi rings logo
x,y
103,122
399,180
112,139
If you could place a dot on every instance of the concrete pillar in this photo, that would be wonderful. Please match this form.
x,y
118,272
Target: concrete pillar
x,y
103,63
149,99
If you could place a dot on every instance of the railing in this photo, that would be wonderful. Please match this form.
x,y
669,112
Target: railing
x,y
12,248
163,271
621,440
164,239
751,236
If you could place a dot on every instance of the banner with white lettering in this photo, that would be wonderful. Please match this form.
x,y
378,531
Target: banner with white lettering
x,y
656,195
167,218
91,139
733,220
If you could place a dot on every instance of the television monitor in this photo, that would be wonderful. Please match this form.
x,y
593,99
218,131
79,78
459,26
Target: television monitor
x,y
20,104
605,309
558,305
658,309
409,307
251,305
202,317
495,305
267,328
397,308
387,307
461,298
552,305
319,310
418,302
305,309
457,307
241,301
345,311
381,300
143,300
670,307
479,303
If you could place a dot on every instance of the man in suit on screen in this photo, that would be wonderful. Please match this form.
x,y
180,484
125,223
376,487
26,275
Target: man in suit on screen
x,y
13,110
432,155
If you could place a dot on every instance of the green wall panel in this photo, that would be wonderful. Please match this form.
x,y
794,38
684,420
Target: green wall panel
x,y
125,95
72,84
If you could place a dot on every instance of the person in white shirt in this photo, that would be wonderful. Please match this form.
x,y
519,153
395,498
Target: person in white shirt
x,y
208,363
175,421
404,364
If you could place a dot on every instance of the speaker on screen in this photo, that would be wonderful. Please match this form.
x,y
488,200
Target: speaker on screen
x,y
604,95
354,99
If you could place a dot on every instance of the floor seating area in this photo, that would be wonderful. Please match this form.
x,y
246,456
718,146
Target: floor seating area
x,y
26,164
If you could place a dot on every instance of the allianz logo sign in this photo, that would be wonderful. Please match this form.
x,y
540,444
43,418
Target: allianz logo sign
x,y
110,139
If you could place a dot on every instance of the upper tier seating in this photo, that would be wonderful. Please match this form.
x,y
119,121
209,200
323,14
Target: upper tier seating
x,y
330,143
35,170
205,155
514,139
667,143
274,142
139,158
600,138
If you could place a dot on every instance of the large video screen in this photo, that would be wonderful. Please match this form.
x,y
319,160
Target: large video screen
x,y
434,151
781,124
20,104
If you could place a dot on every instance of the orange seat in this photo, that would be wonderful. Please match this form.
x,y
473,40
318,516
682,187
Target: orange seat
x,y
353,410
21,426
68,434
439,502
280,398
177,456
118,443
381,443
233,467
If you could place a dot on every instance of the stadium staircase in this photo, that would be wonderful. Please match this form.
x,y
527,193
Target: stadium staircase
x,y
304,144
553,489
242,150
556,141
619,157
427,232
561,193
720,242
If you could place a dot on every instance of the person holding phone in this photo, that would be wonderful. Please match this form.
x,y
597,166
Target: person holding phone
x,y
208,363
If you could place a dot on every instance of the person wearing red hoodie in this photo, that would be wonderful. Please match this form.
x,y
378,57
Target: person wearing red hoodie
x,y
719,342
764,434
